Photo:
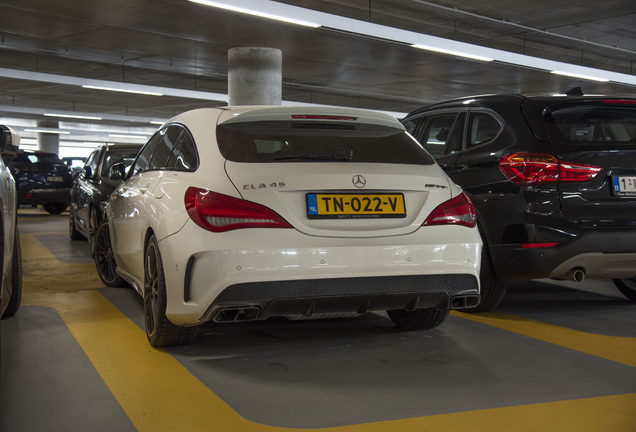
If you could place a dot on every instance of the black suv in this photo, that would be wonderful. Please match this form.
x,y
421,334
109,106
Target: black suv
x,y
42,178
553,179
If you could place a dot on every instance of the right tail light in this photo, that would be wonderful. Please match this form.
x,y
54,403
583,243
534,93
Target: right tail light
x,y
456,211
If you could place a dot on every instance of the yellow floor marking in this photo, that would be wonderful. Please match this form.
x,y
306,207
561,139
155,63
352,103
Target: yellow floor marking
x,y
44,272
159,394
618,349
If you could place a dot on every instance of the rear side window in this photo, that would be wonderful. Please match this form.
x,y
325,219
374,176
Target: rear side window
x,y
185,157
591,124
297,141
482,128
167,144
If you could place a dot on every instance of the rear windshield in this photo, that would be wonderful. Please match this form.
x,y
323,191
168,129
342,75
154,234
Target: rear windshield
x,y
39,158
592,124
293,141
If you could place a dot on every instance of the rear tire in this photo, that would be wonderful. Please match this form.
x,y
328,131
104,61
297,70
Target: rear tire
x,y
492,289
105,259
419,319
73,233
159,330
627,287
55,208
16,277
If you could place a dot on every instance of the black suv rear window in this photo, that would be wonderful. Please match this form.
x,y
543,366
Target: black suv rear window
x,y
39,158
297,141
592,124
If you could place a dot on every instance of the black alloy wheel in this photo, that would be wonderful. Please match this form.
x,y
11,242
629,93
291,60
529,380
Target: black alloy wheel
x,y
159,330
105,259
92,227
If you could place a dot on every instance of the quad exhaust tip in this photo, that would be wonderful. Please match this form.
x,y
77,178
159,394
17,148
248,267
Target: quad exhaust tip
x,y
248,313
464,302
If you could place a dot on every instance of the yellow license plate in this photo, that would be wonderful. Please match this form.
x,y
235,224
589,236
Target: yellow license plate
x,y
355,206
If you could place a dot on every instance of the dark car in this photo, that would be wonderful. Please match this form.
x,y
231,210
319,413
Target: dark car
x,y
75,163
93,186
42,179
553,179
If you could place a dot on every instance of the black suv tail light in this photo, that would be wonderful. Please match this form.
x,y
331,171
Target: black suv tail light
x,y
538,168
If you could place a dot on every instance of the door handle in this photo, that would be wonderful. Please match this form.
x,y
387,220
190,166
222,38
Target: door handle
x,y
6,175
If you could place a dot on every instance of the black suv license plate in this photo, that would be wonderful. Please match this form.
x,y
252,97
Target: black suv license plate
x,y
624,186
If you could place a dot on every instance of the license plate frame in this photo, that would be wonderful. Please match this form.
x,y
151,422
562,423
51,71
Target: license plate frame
x,y
624,186
369,205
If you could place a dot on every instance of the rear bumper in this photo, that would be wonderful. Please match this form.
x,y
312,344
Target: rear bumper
x,y
607,254
309,297
284,272
43,196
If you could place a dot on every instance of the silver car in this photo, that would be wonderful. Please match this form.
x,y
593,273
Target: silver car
x,y
11,293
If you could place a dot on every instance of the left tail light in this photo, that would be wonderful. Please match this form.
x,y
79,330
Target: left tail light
x,y
218,213
456,211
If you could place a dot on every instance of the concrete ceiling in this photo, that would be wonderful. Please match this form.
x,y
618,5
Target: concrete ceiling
x,y
181,45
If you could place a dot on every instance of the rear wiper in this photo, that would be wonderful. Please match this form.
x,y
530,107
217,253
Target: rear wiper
x,y
326,155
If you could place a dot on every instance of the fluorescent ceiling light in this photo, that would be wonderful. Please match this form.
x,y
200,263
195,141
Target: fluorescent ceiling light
x,y
128,136
72,116
455,53
256,13
59,132
122,90
587,77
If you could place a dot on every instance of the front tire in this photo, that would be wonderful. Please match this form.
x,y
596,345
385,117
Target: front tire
x,y
16,277
159,330
627,287
105,259
419,319
55,208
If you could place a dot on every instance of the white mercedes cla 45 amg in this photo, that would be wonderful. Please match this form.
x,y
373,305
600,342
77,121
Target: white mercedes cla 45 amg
x,y
238,214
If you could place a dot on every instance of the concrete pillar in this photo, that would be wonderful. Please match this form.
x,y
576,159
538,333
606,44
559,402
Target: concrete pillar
x,y
255,76
48,142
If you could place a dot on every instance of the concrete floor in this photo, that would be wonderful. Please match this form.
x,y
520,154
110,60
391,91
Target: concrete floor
x,y
552,357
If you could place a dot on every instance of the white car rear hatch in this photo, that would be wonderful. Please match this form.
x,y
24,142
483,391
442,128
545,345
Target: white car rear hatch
x,y
332,172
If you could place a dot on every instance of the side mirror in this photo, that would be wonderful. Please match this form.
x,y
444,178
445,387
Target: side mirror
x,y
88,172
117,171
9,144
